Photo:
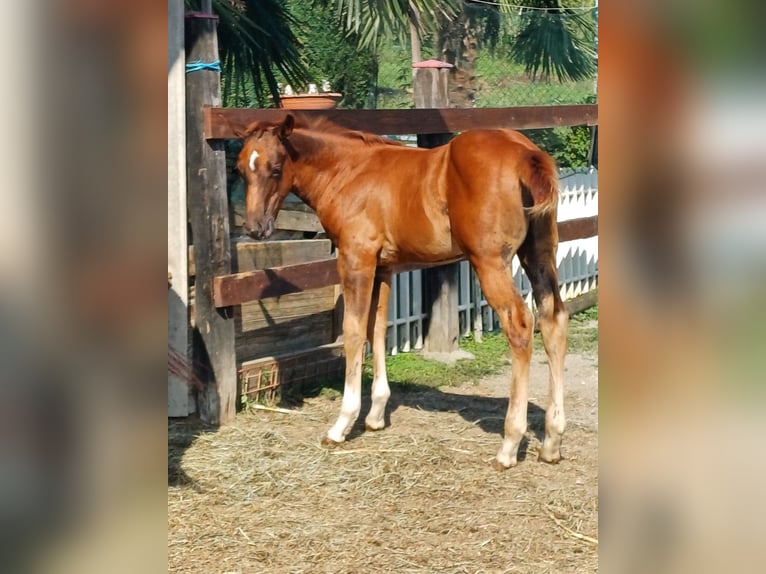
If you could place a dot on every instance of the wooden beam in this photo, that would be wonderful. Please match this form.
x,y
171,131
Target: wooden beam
x,y
578,228
218,122
213,350
294,220
582,302
241,287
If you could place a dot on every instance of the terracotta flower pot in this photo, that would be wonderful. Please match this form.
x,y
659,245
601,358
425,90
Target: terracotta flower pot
x,y
321,101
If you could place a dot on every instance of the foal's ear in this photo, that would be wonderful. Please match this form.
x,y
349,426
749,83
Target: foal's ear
x,y
287,126
238,129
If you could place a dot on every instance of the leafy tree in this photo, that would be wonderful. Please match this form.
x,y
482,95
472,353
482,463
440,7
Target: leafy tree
x,y
570,146
330,54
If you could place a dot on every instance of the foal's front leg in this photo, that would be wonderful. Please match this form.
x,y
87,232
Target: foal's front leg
x,y
357,275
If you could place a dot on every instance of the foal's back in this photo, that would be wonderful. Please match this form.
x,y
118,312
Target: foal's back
x,y
434,205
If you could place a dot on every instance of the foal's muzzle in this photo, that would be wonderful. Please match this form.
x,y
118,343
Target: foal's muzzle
x,y
260,230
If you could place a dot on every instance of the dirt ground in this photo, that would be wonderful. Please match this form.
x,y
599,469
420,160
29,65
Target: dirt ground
x,y
421,496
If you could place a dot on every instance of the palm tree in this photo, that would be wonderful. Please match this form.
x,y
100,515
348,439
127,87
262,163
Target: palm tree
x,y
256,40
556,37
373,18
556,40
458,42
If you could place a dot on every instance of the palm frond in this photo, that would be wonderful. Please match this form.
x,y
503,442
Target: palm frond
x,y
559,42
372,19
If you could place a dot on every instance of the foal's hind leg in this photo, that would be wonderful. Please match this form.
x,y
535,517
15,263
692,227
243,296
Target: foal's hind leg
x,y
517,322
538,258
376,334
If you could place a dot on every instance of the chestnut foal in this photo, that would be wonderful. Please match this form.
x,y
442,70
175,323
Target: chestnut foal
x,y
486,195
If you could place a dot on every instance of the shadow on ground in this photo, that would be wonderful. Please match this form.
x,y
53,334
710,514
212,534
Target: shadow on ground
x,y
488,413
182,432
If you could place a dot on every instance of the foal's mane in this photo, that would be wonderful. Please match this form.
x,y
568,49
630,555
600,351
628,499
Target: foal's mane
x,y
325,126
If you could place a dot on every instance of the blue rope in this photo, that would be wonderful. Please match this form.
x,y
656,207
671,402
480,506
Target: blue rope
x,y
198,65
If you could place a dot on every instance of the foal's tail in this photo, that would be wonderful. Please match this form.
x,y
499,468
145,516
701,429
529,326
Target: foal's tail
x,y
539,178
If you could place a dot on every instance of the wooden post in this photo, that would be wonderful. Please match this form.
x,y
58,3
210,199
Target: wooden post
x,y
440,283
179,403
213,350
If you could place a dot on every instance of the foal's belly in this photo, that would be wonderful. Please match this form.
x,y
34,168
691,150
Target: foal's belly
x,y
419,235
429,251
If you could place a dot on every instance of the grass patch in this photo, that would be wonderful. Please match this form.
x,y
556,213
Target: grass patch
x,y
583,331
408,371
491,356
502,83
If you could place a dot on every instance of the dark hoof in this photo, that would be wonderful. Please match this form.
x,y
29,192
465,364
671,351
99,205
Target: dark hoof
x,y
500,467
329,443
554,460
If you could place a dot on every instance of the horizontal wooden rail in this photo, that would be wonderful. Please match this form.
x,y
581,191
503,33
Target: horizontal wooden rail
x,y
240,288
581,228
252,285
218,122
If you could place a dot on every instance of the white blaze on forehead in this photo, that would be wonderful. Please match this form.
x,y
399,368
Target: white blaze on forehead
x,y
253,157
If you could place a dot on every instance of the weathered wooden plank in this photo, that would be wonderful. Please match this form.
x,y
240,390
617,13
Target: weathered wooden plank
x,y
582,302
260,324
292,220
330,348
218,121
292,217
253,255
240,287
306,332
208,214
275,310
578,228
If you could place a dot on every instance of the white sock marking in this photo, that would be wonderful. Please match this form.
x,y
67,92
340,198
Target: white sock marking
x,y
349,411
380,394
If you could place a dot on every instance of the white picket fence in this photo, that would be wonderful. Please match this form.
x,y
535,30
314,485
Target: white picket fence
x,y
577,266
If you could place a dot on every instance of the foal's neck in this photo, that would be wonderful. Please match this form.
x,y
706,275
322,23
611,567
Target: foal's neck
x,y
317,160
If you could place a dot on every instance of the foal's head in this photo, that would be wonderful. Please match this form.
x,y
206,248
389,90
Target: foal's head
x,y
262,163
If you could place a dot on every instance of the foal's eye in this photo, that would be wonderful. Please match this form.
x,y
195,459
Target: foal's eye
x,y
276,172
